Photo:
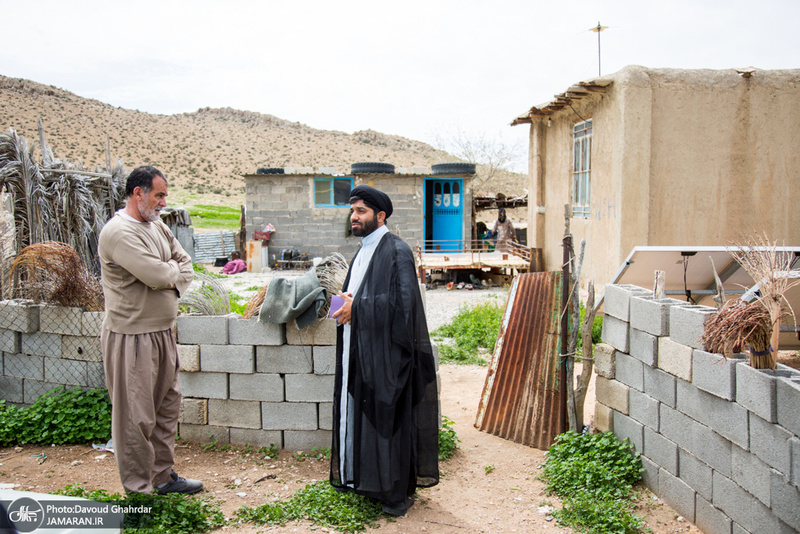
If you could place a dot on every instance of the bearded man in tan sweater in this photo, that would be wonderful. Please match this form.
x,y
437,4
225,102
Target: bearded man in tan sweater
x,y
144,271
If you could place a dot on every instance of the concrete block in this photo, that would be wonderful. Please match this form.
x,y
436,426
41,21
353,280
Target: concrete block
x,y
10,341
11,389
695,473
794,445
189,358
60,320
234,413
227,359
325,413
82,348
785,500
756,390
19,315
677,493
709,519
652,315
629,371
643,408
295,359
727,418
676,426
660,385
687,324
644,347
738,529
309,388
202,329
715,374
751,474
650,474
23,366
712,449
325,360
61,371
204,433
771,444
254,332
603,417
661,450
675,359
260,387
625,427
33,389
41,343
92,323
742,508
204,385
616,333
613,394
322,332
306,440
788,400
194,411
605,360
289,416
617,298
95,375
256,437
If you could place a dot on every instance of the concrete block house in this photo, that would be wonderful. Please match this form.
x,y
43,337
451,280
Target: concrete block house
x,y
310,210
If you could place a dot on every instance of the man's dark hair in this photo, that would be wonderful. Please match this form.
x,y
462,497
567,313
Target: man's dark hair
x,y
142,177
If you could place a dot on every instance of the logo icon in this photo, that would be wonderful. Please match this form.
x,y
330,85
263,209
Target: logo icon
x,y
26,514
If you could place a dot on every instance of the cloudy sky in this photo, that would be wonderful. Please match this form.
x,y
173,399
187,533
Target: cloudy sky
x,y
415,68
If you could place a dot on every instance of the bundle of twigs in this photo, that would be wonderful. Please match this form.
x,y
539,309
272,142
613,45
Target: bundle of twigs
x,y
737,325
53,273
331,272
254,304
205,296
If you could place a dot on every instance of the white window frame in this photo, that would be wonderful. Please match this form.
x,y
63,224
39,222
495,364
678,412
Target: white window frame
x,y
582,169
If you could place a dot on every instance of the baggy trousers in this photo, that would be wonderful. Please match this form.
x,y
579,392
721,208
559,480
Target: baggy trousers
x,y
142,379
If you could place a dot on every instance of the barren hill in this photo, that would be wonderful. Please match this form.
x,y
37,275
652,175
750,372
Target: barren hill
x,y
204,152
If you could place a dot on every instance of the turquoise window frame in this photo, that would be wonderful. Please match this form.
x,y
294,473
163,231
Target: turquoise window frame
x,y
330,188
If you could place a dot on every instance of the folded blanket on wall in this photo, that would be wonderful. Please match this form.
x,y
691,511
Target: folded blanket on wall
x,y
293,299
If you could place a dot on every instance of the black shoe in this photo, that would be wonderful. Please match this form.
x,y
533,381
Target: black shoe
x,y
398,509
179,485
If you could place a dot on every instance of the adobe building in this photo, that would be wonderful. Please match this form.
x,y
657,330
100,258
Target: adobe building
x,y
664,157
311,210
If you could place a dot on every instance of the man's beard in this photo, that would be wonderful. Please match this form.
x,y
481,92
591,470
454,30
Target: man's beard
x,y
367,227
151,215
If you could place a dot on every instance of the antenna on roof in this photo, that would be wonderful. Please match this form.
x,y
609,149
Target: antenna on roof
x,y
597,29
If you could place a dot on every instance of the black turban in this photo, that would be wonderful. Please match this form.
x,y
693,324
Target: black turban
x,y
377,200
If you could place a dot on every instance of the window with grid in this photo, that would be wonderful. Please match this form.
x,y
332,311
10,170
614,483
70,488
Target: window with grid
x,y
332,192
582,169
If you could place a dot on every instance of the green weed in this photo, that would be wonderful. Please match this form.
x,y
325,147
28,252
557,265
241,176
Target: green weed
x,y
471,330
448,441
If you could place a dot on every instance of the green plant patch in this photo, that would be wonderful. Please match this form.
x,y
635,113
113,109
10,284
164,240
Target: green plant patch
x,y
448,440
594,474
173,513
210,217
471,330
320,503
58,417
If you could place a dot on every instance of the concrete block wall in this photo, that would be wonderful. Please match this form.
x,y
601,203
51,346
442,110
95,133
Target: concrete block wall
x,y
44,347
720,441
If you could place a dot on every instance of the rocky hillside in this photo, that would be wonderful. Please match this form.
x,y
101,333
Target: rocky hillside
x,y
204,152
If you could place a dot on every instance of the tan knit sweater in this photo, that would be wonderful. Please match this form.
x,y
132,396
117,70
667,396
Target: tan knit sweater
x,y
144,270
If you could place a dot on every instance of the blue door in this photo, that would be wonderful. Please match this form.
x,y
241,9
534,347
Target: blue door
x,y
444,218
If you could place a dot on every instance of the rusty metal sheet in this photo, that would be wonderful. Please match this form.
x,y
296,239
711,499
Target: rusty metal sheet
x,y
520,399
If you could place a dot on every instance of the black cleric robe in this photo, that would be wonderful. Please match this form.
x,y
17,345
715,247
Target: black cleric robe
x,y
391,445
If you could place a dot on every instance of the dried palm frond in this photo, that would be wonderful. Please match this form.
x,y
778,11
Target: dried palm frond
x,y
331,272
737,325
53,273
206,296
254,304
7,253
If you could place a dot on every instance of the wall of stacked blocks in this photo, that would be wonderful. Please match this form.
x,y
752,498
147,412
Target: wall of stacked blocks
x,y
718,439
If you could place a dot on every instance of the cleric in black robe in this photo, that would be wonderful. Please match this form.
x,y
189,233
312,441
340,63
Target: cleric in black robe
x,y
385,409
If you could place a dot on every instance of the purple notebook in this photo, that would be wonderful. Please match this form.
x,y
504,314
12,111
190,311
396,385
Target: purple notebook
x,y
336,303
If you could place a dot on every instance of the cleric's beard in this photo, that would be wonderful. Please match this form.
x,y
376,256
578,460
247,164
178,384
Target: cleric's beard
x,y
367,228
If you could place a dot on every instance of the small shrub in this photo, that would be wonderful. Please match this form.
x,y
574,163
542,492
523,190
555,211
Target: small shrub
x,y
471,330
448,441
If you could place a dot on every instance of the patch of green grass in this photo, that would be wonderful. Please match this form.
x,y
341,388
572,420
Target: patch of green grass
x,y
594,475
236,305
173,513
320,503
448,440
471,330
210,217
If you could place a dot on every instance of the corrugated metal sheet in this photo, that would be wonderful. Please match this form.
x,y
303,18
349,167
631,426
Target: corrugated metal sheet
x,y
520,400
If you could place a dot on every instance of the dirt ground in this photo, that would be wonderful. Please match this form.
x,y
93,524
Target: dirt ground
x,y
467,499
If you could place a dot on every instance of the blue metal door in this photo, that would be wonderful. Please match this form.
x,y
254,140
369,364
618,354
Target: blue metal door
x,y
446,215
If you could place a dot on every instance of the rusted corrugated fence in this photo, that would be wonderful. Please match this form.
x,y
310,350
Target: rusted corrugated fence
x,y
520,400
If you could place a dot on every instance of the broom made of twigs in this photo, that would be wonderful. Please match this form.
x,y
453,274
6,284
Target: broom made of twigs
x,y
737,325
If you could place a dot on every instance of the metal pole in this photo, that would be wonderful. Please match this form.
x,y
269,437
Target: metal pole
x,y
562,393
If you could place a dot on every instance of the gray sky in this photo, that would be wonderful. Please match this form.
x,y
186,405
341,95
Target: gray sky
x,y
413,68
